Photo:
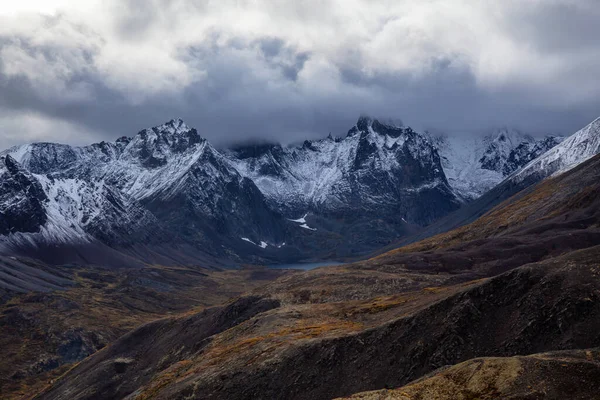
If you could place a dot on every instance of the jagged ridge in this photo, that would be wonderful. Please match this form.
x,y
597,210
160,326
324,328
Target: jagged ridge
x,y
168,187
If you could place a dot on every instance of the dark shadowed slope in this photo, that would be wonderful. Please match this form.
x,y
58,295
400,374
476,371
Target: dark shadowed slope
x,y
22,276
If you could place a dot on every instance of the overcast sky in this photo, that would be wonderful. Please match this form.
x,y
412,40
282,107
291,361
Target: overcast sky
x,y
83,71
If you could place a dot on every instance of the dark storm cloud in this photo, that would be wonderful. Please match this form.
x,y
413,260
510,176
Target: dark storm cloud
x,y
183,59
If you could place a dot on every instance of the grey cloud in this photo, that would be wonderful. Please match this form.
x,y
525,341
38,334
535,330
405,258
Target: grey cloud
x,y
292,71
266,87
135,19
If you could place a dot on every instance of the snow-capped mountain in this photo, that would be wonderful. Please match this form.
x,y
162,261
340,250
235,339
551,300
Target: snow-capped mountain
x,y
577,148
475,165
499,147
167,195
571,152
164,185
376,168
41,210
168,186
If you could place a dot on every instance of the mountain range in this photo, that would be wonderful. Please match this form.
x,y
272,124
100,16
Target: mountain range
x,y
166,195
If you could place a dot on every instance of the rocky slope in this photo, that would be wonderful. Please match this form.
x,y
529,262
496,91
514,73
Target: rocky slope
x,y
527,287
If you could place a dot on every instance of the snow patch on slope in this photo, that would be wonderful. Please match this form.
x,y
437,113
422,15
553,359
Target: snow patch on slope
x,y
303,223
262,244
301,220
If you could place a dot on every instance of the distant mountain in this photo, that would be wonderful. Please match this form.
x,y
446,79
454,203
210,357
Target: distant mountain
x,y
474,166
577,148
376,169
571,152
166,195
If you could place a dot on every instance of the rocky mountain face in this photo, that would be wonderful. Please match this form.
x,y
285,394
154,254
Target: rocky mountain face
x,y
474,166
169,189
166,195
22,198
577,148
375,170
528,151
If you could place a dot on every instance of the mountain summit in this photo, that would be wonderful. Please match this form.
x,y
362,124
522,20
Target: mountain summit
x,y
375,166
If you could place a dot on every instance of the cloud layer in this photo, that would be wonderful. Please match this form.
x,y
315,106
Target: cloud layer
x,y
283,70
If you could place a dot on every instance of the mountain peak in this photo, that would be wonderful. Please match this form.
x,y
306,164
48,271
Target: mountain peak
x,y
364,122
177,122
512,137
390,127
174,126
176,131
153,146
